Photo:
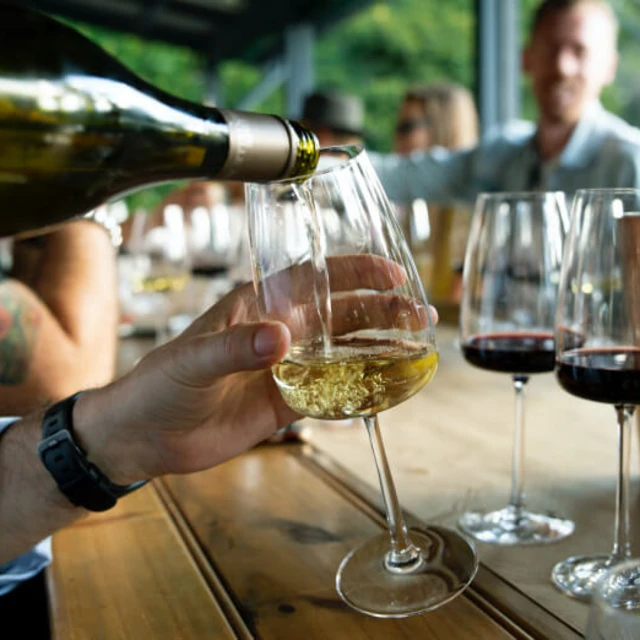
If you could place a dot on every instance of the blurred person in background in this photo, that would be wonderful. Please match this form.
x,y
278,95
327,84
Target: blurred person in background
x,y
337,118
437,115
570,57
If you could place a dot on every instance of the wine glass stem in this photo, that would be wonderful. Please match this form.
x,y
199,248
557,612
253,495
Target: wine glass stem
x,y
402,549
621,544
162,320
517,479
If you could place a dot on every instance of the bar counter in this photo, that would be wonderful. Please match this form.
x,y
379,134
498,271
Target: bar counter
x,y
249,549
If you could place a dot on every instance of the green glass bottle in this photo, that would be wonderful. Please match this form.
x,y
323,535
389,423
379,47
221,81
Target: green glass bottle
x,y
78,128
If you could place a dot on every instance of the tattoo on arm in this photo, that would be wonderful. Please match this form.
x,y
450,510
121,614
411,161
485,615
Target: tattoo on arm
x,y
19,325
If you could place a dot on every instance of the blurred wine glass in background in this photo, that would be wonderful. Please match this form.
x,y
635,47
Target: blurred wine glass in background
x,y
157,270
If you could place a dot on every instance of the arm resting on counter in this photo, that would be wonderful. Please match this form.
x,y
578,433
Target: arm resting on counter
x,y
58,317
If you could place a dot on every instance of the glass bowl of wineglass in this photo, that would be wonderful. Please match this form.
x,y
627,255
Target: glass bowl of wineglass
x,y
159,269
598,344
510,284
329,260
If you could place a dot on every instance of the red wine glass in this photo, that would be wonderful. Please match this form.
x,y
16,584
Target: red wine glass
x,y
598,344
510,283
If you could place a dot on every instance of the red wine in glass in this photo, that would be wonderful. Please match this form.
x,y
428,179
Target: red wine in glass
x,y
512,352
507,313
599,301
610,375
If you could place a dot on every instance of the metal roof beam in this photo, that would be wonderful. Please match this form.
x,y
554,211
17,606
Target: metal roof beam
x,y
498,62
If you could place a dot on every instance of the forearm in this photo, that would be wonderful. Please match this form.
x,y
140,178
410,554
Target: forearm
x,y
31,505
39,361
77,281
61,332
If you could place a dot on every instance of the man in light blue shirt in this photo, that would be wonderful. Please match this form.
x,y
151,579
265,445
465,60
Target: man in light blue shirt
x,y
570,58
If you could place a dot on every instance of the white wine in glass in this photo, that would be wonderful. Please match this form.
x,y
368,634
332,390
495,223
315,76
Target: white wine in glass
x,y
329,260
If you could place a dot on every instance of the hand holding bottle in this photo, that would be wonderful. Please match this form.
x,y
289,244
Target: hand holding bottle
x,y
209,394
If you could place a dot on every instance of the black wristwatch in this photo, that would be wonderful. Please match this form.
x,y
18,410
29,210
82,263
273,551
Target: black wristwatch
x,y
80,480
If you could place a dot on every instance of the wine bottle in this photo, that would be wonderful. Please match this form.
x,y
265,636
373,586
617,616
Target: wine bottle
x,y
78,128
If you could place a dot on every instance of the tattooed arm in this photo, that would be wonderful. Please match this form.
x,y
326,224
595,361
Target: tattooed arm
x,y
58,318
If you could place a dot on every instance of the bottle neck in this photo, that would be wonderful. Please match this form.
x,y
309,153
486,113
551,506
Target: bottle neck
x,y
265,147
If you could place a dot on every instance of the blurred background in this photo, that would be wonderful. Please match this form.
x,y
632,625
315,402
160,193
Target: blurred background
x,y
267,55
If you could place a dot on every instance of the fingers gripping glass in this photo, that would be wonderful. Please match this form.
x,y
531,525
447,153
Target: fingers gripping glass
x,y
507,312
330,261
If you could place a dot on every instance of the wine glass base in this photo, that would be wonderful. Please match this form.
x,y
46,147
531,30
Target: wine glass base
x,y
446,564
579,575
511,526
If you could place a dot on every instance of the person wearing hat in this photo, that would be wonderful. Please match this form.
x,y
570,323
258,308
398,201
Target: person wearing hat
x,y
336,118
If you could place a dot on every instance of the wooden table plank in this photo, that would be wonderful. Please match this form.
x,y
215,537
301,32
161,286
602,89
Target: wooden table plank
x,y
492,592
276,533
127,575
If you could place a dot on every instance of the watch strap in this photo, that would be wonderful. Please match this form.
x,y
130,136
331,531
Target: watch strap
x,y
81,481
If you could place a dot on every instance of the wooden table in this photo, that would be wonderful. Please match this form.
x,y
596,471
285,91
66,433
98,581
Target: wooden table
x,y
250,548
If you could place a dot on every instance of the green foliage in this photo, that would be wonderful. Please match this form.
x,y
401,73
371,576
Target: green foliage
x,y
624,96
239,78
177,70
389,46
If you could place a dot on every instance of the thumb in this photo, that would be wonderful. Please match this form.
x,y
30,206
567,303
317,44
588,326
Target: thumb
x,y
243,347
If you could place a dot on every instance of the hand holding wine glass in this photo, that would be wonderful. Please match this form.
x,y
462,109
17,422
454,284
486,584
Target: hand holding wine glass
x,y
511,275
330,262
598,343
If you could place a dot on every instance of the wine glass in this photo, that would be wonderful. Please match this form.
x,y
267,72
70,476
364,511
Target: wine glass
x,y
598,343
160,267
330,261
615,604
510,283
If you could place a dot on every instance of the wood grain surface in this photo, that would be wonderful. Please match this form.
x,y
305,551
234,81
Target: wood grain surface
x,y
126,574
276,532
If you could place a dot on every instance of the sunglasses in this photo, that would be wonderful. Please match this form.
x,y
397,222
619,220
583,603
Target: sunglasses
x,y
407,126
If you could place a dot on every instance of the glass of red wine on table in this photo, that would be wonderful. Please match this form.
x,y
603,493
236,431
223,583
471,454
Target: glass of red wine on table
x,y
598,347
510,285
